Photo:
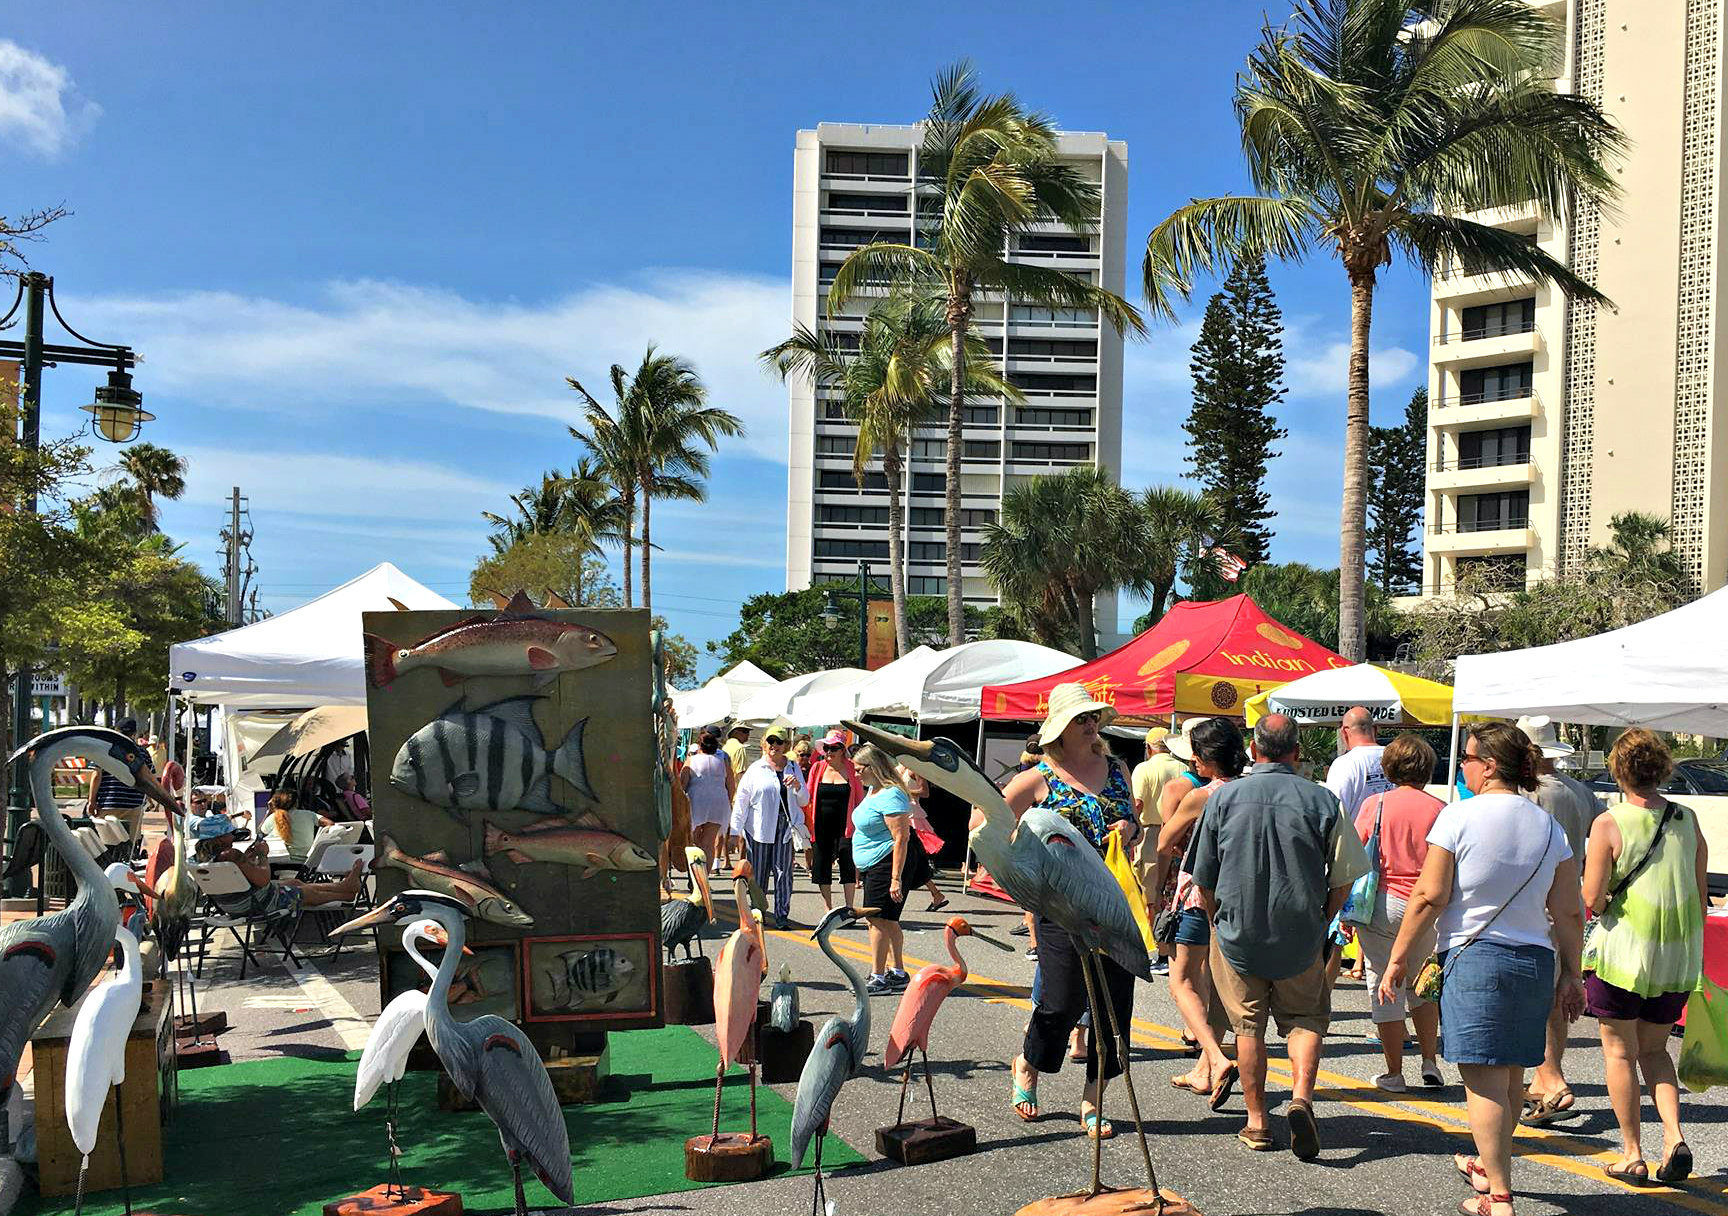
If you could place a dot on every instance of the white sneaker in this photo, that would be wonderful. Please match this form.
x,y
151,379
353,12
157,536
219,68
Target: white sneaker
x,y
1391,1082
1431,1075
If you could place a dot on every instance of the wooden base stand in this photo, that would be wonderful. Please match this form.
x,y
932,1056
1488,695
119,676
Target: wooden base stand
x,y
733,1157
783,1054
203,1052
409,1201
187,1026
689,992
926,1140
1109,1203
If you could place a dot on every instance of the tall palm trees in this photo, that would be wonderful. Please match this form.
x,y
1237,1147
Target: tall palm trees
x,y
579,505
1371,127
888,385
988,171
653,443
154,472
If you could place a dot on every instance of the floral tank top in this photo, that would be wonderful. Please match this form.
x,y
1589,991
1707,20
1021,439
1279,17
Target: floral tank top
x,y
1091,813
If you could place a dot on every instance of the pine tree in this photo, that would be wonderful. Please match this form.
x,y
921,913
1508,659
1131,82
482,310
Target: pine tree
x,y
1396,488
1238,368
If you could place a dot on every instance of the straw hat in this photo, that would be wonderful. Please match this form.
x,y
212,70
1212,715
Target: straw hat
x,y
1157,735
1541,731
1067,702
1181,745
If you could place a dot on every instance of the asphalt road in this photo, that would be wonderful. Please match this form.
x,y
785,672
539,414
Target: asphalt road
x,y
1382,1153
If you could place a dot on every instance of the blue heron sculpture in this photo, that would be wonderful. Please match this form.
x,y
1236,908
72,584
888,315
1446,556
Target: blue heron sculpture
x,y
836,1057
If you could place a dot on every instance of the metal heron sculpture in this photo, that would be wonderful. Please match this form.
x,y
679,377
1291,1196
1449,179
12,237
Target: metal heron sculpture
x,y
918,1007
489,1059
1048,868
55,957
682,916
836,1057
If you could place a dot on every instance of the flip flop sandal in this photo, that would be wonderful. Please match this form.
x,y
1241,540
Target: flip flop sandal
x,y
1026,1102
1676,1166
1097,1129
1257,1138
1224,1088
937,907
1183,1083
1190,1047
1545,1108
1483,1205
1637,1173
1473,1172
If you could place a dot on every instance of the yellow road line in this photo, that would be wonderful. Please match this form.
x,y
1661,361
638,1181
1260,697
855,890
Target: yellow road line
x,y
1571,1155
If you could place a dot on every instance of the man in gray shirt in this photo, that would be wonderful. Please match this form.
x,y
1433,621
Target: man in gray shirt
x,y
1274,858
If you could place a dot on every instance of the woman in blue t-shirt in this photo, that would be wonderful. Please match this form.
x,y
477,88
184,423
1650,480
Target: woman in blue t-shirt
x,y
884,851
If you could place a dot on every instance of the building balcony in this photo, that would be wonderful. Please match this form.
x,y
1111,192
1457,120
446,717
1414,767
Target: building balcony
x,y
1483,347
1474,409
1462,539
1472,476
1058,259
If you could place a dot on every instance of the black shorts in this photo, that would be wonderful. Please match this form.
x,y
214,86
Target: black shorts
x,y
876,880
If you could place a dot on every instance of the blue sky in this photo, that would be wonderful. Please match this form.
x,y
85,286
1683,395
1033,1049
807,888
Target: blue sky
x,y
360,246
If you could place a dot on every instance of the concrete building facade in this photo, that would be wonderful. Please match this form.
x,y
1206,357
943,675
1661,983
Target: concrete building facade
x,y
1548,417
854,184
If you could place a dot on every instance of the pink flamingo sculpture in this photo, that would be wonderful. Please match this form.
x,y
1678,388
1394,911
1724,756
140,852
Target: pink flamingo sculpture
x,y
737,984
918,1007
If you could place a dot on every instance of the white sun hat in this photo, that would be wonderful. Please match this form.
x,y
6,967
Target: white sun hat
x,y
1067,702
1541,731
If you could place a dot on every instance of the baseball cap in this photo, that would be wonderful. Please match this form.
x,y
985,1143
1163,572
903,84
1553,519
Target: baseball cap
x,y
209,827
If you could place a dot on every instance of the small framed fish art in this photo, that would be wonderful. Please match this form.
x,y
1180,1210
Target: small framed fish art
x,y
602,978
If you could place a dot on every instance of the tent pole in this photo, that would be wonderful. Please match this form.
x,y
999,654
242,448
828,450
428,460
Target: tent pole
x,y
1452,764
173,724
191,748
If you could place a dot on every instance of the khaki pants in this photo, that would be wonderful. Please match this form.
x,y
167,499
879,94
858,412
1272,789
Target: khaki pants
x,y
1299,1002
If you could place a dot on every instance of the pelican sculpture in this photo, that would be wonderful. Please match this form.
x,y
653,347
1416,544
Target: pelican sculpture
x,y
55,957
737,981
384,1060
918,1007
836,1058
96,1050
1048,868
682,916
490,1060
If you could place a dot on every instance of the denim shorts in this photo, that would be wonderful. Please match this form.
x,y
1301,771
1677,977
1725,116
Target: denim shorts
x,y
1192,928
1495,1002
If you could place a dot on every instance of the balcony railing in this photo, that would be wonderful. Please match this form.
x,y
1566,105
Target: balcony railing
x,y
1488,397
1464,526
1503,330
1470,463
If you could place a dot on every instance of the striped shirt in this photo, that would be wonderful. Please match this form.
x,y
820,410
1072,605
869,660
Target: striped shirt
x,y
114,795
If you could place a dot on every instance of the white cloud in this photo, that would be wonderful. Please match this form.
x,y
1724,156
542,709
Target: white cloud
x,y
40,107
1316,366
384,345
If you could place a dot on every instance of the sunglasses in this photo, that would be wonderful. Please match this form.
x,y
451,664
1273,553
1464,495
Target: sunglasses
x,y
833,747
1467,757
1089,717
774,741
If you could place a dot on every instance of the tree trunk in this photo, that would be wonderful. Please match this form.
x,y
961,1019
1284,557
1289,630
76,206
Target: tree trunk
x,y
1352,627
959,321
1085,624
647,504
1160,597
891,469
629,540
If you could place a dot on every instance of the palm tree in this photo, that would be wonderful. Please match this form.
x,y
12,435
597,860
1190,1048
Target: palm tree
x,y
1062,539
1180,528
155,472
988,171
887,386
579,505
1372,127
652,445
1640,555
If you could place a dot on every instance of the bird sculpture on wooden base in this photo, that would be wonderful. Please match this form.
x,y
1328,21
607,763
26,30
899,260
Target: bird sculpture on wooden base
x,y
737,982
783,1002
55,957
836,1057
1048,868
682,916
384,1060
96,1049
918,1006
489,1059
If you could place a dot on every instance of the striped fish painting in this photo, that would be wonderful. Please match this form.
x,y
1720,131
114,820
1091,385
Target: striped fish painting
x,y
489,759
581,978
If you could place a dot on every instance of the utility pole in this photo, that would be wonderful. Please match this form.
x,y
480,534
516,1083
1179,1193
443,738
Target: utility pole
x,y
237,567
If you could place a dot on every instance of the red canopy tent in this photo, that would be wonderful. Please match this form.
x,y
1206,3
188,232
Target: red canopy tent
x,y
1201,658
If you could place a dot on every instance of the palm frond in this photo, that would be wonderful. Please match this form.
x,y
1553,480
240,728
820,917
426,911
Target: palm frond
x,y
1210,235
1437,241
880,260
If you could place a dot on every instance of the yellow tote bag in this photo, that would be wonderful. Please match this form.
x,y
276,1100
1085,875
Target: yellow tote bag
x,y
1116,857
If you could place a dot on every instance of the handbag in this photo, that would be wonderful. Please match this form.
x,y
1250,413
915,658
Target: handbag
x,y
1365,891
1122,870
1431,980
1591,929
1704,1050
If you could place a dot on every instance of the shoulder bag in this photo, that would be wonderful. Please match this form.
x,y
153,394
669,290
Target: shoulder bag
x,y
1365,891
1591,929
1431,980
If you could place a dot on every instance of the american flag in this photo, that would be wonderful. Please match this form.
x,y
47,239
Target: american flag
x,y
1228,565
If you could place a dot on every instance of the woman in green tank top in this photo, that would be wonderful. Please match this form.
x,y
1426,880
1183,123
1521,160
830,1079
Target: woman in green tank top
x,y
1644,878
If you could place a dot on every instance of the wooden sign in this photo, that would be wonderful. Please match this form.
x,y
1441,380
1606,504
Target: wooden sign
x,y
514,756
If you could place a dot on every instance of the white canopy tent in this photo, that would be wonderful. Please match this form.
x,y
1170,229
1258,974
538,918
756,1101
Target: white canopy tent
x,y
789,701
1667,673
851,700
939,686
720,698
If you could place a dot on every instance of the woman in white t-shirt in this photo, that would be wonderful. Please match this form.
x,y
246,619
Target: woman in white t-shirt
x,y
708,782
1498,874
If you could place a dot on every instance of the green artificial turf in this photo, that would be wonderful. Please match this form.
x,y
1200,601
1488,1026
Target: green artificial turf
x,y
278,1137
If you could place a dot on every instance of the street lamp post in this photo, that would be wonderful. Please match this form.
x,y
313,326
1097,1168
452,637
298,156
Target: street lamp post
x,y
116,415
831,611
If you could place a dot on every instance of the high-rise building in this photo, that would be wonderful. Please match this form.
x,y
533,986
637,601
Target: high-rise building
x,y
1546,417
853,185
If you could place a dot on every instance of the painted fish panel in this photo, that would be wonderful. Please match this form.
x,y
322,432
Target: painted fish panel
x,y
489,759
590,845
517,643
436,872
583,978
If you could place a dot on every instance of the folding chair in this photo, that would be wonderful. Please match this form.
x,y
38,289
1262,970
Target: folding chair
x,y
252,930
329,837
90,839
337,861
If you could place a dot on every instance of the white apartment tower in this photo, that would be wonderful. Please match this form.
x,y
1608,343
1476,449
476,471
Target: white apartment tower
x,y
1548,418
853,185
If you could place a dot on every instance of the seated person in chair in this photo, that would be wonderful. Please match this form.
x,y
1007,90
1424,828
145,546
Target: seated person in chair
x,y
294,827
215,837
353,801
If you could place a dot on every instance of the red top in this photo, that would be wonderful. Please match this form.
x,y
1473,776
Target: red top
x,y
1407,818
857,795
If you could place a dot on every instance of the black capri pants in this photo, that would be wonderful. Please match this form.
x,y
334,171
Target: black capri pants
x,y
1062,999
